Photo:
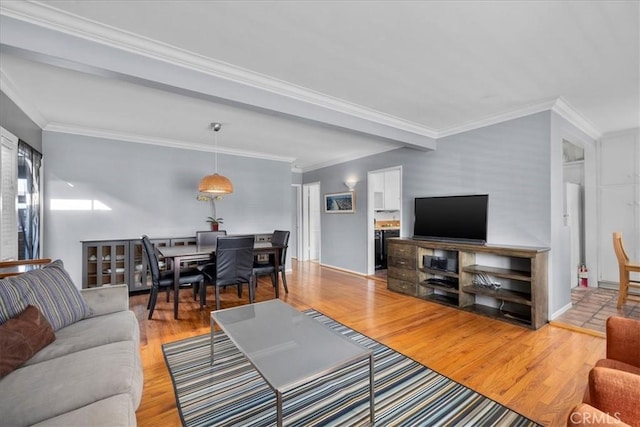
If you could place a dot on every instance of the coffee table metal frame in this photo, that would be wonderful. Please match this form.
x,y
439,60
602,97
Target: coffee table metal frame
x,y
268,333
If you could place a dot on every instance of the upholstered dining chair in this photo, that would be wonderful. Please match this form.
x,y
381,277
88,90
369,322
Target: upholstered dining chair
x,y
164,279
208,238
626,268
280,238
234,266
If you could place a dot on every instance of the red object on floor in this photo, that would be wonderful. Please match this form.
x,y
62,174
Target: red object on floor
x,y
583,276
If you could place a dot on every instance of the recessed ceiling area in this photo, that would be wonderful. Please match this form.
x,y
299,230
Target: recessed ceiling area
x,y
315,83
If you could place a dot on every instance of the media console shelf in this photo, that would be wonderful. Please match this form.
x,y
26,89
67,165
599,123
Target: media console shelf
x,y
504,282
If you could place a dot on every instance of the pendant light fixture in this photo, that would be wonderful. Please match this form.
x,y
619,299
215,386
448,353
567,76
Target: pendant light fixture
x,y
216,183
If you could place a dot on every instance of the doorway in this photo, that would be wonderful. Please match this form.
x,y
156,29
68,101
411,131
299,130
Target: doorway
x,y
296,221
384,213
310,250
574,206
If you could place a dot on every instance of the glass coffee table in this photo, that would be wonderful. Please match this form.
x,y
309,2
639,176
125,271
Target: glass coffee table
x,y
287,347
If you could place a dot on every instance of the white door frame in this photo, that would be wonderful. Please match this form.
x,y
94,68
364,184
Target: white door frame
x,y
308,222
298,229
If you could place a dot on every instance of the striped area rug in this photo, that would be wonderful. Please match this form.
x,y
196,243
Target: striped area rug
x,y
232,393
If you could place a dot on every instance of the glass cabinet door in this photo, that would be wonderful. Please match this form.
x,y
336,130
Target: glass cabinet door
x,y
106,263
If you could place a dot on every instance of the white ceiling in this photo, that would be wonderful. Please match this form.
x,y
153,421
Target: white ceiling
x,y
331,81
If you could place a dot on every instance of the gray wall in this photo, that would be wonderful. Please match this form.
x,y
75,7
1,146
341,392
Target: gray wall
x,y
16,121
509,161
518,163
151,190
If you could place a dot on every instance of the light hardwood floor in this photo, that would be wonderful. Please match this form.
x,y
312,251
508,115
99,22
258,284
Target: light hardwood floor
x,y
540,374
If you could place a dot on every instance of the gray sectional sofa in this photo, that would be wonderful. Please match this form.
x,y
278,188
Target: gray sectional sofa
x,y
90,375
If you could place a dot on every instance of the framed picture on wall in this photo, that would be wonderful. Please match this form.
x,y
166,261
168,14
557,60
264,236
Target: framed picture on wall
x,y
340,202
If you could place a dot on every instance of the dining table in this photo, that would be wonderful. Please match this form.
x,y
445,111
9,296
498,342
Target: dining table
x,y
194,253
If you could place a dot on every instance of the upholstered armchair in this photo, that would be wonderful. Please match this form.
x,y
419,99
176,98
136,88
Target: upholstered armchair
x,y
613,394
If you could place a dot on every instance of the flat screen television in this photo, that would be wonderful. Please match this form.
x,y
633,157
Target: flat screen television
x,y
452,218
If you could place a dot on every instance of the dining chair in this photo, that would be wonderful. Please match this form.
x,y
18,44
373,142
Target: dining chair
x,y
626,268
234,266
280,238
164,279
208,238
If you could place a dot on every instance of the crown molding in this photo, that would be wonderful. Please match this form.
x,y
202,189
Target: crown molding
x,y
498,118
349,158
163,142
54,19
570,114
384,125
557,105
10,89
622,132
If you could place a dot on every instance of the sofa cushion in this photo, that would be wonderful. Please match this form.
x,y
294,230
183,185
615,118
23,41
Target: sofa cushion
x,y
53,292
91,332
21,337
115,411
35,393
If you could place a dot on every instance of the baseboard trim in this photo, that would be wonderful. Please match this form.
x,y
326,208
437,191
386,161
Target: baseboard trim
x,y
563,310
344,270
577,329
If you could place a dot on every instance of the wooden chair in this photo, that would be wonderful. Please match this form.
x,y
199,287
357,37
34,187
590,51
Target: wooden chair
x,y
13,268
626,268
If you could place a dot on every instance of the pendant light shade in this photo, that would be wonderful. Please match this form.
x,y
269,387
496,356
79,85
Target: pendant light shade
x,y
216,183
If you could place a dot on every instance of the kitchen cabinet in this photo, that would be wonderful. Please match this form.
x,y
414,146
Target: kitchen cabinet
x,y
386,190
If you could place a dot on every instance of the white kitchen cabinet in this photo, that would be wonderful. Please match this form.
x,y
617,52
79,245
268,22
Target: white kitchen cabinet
x,y
377,187
392,190
386,190
618,200
619,157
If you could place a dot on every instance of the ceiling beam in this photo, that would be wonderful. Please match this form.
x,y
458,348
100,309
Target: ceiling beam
x,y
48,35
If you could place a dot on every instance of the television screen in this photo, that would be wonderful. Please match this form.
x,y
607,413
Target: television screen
x,y
455,218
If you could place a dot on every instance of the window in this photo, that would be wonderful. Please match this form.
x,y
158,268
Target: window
x,y
29,162
8,195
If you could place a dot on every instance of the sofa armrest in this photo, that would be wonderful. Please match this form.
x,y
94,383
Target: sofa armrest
x,y
106,299
616,393
587,415
623,340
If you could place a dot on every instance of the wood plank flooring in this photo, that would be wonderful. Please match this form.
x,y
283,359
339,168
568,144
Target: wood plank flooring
x,y
540,374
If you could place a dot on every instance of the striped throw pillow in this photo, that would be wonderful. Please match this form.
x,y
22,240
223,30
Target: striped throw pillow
x,y
53,292
12,299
